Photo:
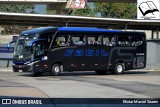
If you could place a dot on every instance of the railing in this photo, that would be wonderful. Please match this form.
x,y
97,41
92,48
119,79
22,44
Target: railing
x,y
6,50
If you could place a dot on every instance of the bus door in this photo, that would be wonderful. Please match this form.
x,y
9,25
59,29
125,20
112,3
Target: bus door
x,y
61,51
40,55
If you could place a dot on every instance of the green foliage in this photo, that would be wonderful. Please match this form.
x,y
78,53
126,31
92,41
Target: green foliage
x,y
13,29
116,10
87,11
51,12
113,10
17,8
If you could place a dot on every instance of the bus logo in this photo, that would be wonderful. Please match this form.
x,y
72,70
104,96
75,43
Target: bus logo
x,y
90,52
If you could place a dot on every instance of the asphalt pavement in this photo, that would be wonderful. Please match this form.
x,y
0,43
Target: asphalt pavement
x,y
79,87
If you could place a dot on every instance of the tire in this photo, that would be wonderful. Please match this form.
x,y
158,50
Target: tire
x,y
36,74
119,68
56,70
101,72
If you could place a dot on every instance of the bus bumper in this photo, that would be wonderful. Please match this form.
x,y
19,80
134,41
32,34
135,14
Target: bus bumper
x,y
22,68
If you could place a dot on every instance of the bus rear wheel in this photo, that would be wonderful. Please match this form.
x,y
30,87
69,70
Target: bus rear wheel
x,y
56,70
119,68
101,72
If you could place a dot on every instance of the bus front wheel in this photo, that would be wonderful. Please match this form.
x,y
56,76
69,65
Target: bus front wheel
x,y
119,68
56,70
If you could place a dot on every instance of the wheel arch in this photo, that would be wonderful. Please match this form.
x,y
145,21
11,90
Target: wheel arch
x,y
56,62
120,61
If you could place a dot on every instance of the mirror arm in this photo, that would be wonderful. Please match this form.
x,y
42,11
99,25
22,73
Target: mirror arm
x,y
9,44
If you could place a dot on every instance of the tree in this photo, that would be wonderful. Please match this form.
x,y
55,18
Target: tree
x,y
51,12
116,10
17,8
87,11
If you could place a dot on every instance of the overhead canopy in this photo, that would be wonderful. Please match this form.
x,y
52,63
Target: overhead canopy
x,y
121,1
76,21
56,1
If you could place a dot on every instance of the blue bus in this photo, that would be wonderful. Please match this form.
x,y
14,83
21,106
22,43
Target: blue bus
x,y
57,49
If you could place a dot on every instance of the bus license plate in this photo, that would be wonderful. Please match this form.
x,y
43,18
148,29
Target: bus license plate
x,y
20,70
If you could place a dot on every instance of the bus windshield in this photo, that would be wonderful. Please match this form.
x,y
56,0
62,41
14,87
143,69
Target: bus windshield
x,y
23,50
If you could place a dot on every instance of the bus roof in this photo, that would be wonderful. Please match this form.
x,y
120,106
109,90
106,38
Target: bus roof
x,y
66,29
39,30
84,29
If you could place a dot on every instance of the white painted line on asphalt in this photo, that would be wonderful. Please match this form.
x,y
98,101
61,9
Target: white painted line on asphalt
x,y
144,70
5,70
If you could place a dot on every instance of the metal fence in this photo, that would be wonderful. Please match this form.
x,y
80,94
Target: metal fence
x,y
6,55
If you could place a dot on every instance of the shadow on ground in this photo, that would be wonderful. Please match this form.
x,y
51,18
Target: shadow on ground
x,y
88,73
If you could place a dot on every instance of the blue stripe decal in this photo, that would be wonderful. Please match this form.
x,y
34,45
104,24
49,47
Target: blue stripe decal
x,y
85,29
90,52
22,63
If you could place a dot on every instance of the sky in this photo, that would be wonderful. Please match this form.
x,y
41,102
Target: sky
x,y
40,8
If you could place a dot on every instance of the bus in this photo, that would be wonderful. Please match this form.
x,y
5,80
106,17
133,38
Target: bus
x,y
57,49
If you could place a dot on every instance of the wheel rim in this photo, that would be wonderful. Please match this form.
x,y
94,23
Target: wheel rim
x,y
56,69
119,68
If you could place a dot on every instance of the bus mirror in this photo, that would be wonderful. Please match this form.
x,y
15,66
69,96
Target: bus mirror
x,y
9,44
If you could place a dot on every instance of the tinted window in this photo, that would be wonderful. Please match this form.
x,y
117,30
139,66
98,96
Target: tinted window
x,y
123,41
62,40
94,41
48,36
39,50
78,40
109,41
136,41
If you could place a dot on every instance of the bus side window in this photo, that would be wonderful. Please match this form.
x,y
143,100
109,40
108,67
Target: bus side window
x,y
136,41
106,41
39,50
78,40
94,41
109,41
123,41
62,41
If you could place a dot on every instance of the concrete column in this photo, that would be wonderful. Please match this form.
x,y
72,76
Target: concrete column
x,y
60,8
157,34
152,35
